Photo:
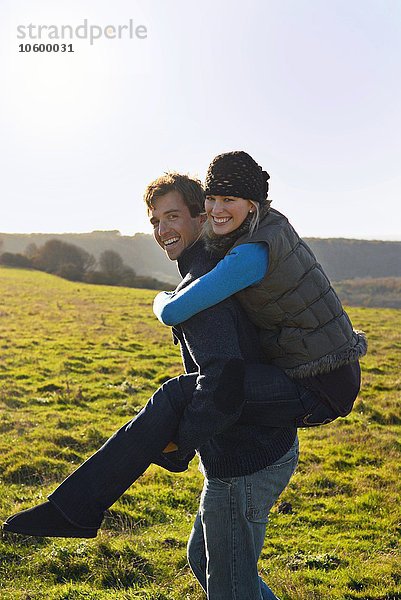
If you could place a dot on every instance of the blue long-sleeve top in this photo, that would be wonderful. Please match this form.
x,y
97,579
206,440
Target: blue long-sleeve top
x,y
245,265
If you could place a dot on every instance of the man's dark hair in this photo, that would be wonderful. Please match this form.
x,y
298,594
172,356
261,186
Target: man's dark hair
x,y
190,188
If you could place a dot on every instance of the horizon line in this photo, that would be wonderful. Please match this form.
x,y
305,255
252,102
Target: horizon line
x,y
117,232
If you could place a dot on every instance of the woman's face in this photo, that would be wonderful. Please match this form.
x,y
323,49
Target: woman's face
x,y
227,213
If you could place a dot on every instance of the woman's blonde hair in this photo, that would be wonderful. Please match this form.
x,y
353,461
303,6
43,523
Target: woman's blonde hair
x,y
259,213
254,224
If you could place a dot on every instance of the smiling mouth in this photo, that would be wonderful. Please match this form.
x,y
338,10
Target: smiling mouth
x,y
221,220
170,242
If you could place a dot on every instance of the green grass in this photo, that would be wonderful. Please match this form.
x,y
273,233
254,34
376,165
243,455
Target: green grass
x,y
77,361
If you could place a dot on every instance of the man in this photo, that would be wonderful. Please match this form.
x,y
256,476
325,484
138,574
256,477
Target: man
x,y
213,409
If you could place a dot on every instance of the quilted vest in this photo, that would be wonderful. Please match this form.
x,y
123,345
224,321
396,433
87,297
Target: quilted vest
x,y
304,328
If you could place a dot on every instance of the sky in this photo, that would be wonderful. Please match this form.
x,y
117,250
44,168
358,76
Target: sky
x,y
310,88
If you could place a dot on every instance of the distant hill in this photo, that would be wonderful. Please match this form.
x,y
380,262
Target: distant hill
x,y
347,259
381,292
342,259
138,251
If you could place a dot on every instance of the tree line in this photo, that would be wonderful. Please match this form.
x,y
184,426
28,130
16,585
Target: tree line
x,y
76,264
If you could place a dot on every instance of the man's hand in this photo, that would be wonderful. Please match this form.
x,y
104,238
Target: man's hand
x,y
171,447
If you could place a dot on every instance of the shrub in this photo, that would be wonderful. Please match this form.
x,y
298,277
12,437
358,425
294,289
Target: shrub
x,y
15,260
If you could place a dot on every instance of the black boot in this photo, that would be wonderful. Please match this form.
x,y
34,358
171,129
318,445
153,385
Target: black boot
x,y
45,520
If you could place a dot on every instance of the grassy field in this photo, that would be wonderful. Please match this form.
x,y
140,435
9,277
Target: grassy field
x,y
77,361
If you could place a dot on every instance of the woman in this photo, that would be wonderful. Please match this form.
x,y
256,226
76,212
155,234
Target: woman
x,y
305,331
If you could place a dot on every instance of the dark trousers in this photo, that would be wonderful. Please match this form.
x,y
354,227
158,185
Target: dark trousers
x,y
106,475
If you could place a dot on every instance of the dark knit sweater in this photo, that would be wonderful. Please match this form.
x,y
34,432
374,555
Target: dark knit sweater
x,y
217,343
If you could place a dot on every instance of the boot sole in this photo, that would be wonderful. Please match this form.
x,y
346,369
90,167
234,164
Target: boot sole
x,y
90,533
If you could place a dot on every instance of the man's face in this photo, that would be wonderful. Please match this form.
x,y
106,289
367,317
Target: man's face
x,y
174,229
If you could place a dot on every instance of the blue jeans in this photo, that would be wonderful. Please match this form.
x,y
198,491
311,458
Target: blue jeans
x,y
280,401
229,530
271,397
92,488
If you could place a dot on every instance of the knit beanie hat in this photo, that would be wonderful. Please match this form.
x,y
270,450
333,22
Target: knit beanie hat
x,y
236,174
